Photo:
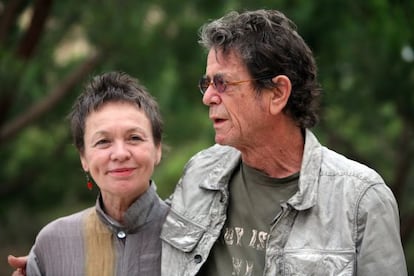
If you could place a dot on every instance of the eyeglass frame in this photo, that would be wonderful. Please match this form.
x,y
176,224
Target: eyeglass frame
x,y
225,82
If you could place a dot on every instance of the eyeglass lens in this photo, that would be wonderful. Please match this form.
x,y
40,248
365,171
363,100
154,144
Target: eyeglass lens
x,y
218,83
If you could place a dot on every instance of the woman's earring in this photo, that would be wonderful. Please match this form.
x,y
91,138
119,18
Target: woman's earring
x,y
89,183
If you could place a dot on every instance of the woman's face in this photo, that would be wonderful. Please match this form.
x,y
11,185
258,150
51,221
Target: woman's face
x,y
120,153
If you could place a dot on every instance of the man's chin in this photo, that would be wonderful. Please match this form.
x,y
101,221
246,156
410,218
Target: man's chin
x,y
221,140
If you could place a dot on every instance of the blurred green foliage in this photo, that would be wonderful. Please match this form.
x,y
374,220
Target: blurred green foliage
x,y
364,50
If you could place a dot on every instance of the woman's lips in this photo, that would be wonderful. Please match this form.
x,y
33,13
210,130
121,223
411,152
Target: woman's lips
x,y
121,171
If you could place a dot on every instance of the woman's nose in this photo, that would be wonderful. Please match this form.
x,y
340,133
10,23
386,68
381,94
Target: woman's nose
x,y
120,151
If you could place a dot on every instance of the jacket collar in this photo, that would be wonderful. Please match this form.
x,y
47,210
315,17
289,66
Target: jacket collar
x,y
139,213
228,158
306,196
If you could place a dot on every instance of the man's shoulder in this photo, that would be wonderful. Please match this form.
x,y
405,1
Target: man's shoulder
x,y
336,164
215,151
330,163
206,173
214,157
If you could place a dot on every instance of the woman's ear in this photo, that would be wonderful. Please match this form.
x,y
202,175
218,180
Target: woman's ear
x,y
85,166
280,93
158,155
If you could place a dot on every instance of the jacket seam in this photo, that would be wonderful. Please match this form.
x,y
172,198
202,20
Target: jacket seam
x,y
357,210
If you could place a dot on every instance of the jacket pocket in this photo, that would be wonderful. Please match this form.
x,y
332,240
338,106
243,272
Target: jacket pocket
x,y
181,233
319,263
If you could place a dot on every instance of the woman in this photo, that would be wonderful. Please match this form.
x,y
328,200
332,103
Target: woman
x,y
117,129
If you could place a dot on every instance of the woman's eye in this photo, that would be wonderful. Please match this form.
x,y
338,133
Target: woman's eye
x,y
136,138
102,142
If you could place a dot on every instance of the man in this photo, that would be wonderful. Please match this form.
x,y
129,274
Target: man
x,y
269,199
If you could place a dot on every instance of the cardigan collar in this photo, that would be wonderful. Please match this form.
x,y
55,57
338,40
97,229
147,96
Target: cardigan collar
x,y
138,214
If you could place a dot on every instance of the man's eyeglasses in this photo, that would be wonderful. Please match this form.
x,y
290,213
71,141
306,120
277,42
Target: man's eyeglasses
x,y
220,84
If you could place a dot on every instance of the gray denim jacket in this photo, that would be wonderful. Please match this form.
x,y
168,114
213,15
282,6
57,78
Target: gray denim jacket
x,y
342,221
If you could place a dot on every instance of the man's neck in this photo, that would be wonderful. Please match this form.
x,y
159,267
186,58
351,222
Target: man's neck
x,y
280,155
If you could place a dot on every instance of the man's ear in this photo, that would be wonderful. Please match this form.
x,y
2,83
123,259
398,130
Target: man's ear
x,y
280,94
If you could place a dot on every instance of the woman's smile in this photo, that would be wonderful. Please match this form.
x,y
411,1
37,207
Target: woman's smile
x,y
121,172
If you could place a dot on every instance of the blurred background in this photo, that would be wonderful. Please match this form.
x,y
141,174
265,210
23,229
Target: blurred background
x,y
49,48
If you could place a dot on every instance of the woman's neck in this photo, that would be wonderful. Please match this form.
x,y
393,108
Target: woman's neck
x,y
116,207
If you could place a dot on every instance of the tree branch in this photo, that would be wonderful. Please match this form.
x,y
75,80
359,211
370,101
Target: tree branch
x,y
8,17
32,36
12,128
403,164
407,227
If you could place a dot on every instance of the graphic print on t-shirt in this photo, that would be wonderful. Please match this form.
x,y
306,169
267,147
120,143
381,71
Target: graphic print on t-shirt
x,y
254,203
252,240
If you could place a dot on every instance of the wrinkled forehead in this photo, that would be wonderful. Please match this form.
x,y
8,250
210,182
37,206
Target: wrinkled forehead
x,y
224,55
224,63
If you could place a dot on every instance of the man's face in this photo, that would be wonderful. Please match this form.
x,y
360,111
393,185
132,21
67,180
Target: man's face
x,y
239,115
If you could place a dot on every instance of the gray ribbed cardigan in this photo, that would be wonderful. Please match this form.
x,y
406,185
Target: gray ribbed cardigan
x,y
59,246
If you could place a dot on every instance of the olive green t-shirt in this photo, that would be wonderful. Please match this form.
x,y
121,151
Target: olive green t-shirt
x,y
255,200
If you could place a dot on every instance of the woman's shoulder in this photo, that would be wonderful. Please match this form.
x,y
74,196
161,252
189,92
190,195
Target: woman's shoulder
x,y
59,245
64,227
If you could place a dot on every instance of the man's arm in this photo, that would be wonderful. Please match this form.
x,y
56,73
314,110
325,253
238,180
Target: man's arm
x,y
18,263
379,248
